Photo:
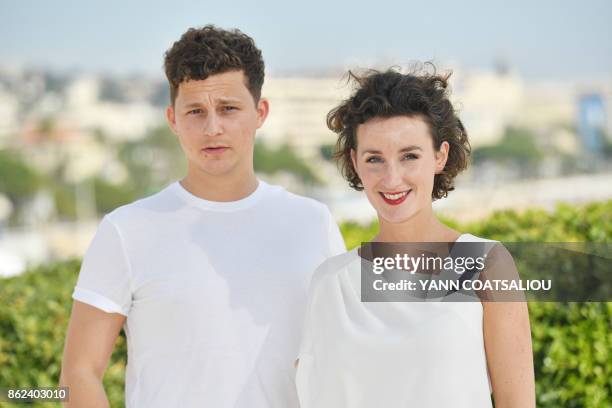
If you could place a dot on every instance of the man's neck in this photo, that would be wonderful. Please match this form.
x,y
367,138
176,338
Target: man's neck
x,y
220,188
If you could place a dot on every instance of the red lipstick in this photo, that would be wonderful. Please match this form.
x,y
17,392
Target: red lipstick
x,y
395,201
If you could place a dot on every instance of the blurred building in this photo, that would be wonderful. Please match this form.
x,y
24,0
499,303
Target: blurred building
x,y
298,111
592,122
120,121
487,102
9,107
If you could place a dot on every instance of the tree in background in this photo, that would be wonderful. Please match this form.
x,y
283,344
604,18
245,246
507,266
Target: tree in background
x,y
152,162
272,160
517,147
19,181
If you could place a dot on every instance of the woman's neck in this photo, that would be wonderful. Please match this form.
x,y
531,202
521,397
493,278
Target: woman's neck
x,y
424,226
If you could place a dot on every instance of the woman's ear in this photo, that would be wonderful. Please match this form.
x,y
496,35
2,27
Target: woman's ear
x,y
442,156
354,160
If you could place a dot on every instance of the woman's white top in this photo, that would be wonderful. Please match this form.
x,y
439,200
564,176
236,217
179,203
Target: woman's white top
x,y
388,354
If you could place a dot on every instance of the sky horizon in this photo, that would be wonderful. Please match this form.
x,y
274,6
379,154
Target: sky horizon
x,y
541,41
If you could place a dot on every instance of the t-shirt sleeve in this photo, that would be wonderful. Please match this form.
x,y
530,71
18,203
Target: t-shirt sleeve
x,y
306,338
104,279
335,246
336,242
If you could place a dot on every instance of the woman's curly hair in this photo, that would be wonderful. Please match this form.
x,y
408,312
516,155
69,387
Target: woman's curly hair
x,y
391,93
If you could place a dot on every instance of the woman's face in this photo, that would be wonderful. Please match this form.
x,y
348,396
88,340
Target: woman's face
x,y
396,162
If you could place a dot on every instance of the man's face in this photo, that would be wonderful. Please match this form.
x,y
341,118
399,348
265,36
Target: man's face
x,y
215,120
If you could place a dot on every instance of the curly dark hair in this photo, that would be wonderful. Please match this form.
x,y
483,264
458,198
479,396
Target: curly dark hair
x,y
209,50
391,93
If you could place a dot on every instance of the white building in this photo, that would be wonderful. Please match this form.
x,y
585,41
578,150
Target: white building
x,y
122,121
298,111
9,108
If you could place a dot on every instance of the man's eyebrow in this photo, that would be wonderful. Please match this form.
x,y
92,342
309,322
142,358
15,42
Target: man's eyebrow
x,y
403,150
223,101
229,100
192,105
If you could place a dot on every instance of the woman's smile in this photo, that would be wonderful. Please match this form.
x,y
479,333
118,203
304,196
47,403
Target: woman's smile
x,y
395,198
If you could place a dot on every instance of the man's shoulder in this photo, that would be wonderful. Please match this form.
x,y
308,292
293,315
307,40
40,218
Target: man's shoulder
x,y
145,208
334,265
295,203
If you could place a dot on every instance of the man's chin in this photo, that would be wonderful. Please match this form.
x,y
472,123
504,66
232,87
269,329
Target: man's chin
x,y
218,169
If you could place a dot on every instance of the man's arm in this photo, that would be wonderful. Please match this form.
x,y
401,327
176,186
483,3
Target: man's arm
x,y
89,344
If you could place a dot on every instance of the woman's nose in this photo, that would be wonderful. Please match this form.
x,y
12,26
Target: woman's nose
x,y
393,176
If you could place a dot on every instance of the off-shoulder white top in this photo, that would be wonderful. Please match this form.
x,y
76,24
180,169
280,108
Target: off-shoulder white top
x,y
388,354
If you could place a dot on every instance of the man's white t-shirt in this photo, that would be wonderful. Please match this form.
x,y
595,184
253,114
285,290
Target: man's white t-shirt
x,y
214,293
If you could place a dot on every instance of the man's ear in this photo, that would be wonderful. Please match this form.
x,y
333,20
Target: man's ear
x,y
263,108
171,118
442,156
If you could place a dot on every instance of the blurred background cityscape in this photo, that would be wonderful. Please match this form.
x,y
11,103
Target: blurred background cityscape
x,y
82,99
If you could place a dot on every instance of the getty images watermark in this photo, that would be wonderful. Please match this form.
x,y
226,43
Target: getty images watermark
x,y
485,271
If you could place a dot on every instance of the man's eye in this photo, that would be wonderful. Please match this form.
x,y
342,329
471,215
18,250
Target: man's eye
x,y
194,111
373,159
411,156
229,108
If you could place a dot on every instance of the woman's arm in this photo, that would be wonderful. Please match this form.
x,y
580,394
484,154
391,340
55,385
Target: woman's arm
x,y
507,338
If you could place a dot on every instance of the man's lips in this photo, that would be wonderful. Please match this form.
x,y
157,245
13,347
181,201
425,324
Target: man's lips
x,y
395,198
215,149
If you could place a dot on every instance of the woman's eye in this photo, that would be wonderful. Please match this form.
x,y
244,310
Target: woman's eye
x,y
373,159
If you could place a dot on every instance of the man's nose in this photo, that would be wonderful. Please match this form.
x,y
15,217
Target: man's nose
x,y
212,125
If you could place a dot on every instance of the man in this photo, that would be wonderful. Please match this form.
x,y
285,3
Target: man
x,y
209,276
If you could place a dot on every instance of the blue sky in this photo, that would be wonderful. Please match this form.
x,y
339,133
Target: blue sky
x,y
541,39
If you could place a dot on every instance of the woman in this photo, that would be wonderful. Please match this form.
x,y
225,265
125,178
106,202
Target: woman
x,y
400,141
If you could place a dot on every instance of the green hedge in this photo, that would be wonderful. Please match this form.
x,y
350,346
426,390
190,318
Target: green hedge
x,y
34,312
572,341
